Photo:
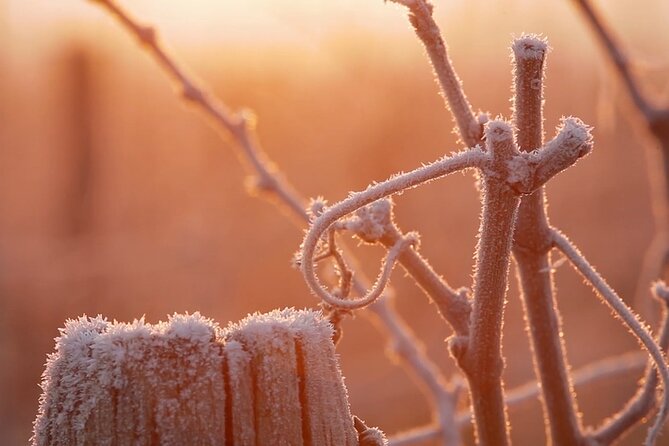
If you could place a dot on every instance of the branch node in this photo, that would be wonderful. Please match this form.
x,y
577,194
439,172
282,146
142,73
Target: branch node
x,y
573,142
192,94
147,35
458,345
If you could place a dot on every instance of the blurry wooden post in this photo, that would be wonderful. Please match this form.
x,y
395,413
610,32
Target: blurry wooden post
x,y
79,114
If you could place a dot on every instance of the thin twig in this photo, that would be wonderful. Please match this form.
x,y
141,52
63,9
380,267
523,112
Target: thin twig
x,y
656,118
453,305
418,436
375,223
470,128
628,317
444,396
645,398
269,179
617,56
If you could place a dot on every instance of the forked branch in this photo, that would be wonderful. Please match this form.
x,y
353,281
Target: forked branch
x,y
521,172
467,159
375,223
507,174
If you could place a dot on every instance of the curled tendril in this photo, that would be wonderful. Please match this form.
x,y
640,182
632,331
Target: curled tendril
x,y
329,217
379,284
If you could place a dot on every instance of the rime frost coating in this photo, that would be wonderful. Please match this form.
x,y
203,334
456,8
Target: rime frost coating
x,y
270,379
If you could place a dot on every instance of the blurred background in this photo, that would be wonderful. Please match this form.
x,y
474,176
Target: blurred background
x,y
116,199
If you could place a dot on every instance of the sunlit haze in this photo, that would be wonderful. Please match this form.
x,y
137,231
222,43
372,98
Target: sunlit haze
x,y
119,198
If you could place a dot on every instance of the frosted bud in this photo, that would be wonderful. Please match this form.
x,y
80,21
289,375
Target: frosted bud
x,y
371,222
499,139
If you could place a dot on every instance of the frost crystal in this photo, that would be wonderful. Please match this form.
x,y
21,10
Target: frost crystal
x,y
530,46
370,222
272,379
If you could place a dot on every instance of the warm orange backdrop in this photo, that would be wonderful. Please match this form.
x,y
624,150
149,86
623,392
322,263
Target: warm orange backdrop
x,y
117,199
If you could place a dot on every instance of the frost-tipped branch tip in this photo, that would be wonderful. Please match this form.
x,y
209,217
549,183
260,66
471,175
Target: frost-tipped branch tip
x,y
574,138
500,144
530,46
428,32
573,141
529,172
498,130
661,291
574,131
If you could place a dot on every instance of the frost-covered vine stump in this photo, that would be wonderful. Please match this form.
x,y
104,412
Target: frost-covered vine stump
x,y
271,379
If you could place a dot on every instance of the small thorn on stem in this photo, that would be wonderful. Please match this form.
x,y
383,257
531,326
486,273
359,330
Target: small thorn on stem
x,y
368,436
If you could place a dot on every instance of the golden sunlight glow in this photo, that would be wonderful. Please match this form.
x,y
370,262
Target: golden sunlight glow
x,y
119,198
218,20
